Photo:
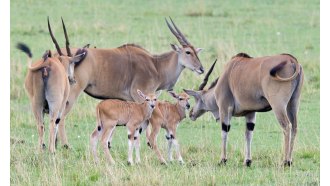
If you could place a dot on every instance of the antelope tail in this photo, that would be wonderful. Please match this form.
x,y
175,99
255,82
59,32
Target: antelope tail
x,y
24,48
274,70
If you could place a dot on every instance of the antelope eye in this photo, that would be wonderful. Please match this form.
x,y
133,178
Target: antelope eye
x,y
188,52
155,99
180,99
148,99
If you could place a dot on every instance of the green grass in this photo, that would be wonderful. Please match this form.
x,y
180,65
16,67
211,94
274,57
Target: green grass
x,y
223,29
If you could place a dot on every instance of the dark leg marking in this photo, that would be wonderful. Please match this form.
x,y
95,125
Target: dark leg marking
x,y
248,163
66,146
250,126
172,137
135,137
225,127
140,130
99,128
287,163
129,136
43,146
149,144
167,137
109,145
57,120
223,162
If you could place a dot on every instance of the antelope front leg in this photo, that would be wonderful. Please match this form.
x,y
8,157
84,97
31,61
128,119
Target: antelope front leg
x,y
177,149
170,144
153,143
104,140
225,126
137,145
145,127
130,134
74,93
250,122
176,145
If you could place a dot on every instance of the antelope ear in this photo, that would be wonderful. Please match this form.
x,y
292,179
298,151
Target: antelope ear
x,y
79,56
198,50
141,94
173,94
175,47
192,93
46,55
86,46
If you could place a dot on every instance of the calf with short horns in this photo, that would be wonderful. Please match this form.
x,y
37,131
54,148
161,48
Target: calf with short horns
x,y
111,113
168,116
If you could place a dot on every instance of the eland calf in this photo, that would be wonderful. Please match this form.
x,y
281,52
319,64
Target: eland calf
x,y
111,113
249,85
48,88
168,116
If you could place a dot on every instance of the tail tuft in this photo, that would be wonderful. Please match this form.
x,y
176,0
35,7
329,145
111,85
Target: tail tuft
x,y
23,47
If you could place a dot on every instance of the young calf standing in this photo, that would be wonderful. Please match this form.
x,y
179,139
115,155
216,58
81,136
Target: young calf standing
x,y
113,112
48,88
168,116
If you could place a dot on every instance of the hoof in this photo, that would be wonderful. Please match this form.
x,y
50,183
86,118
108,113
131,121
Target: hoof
x,y
287,163
109,145
163,163
223,162
248,163
149,145
66,146
129,163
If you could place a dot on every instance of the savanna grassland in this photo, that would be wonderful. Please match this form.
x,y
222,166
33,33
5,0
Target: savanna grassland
x,y
256,27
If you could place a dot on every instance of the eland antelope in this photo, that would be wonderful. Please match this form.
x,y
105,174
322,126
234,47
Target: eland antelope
x,y
117,73
48,88
249,85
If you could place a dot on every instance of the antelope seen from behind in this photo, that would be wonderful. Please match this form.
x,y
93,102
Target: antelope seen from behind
x,y
249,85
168,116
48,89
111,113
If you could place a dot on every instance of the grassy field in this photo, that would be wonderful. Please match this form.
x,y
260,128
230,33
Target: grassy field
x,y
223,29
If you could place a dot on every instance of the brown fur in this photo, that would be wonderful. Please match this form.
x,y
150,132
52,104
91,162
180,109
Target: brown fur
x,y
168,116
112,112
48,88
246,87
54,91
116,73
